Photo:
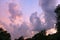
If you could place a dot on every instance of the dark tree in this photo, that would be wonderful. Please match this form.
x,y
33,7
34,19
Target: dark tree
x,y
52,37
29,39
57,11
40,36
20,38
4,35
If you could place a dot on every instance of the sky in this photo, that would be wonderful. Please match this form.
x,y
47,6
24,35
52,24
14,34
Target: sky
x,y
27,17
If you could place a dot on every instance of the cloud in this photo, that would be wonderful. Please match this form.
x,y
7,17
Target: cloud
x,y
18,26
36,22
16,19
14,24
14,10
16,14
21,30
3,24
48,7
51,31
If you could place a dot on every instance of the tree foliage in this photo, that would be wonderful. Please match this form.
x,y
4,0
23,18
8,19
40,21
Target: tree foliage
x,y
57,11
4,35
20,38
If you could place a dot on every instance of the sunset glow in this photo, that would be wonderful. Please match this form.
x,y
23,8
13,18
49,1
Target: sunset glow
x,y
28,17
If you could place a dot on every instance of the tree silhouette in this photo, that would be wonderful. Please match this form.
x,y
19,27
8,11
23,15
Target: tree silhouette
x,y
40,36
4,35
57,11
29,39
20,38
52,37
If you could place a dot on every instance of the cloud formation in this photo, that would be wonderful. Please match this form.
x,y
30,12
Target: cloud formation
x,y
36,22
21,30
18,26
48,7
14,10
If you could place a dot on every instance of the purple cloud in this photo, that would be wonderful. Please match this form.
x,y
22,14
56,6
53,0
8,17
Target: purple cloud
x,y
48,7
36,22
14,11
